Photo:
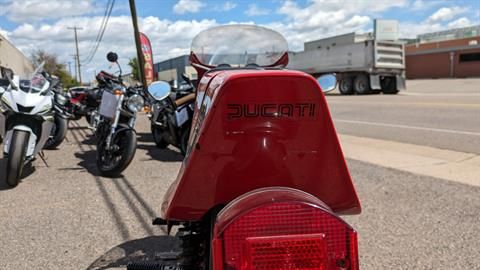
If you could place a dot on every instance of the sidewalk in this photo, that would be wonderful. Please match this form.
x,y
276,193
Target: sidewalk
x,y
445,164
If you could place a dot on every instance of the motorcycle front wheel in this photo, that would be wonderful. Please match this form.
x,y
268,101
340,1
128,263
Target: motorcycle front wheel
x,y
16,156
158,137
58,133
112,162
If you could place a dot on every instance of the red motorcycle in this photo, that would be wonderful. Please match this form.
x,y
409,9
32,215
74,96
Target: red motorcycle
x,y
264,178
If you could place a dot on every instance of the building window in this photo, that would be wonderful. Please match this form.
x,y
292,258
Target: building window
x,y
469,57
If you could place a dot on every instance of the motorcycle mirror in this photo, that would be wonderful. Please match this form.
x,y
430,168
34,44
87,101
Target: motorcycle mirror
x,y
159,90
327,82
112,57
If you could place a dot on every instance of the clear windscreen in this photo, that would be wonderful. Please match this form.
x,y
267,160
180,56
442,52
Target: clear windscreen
x,y
34,82
239,46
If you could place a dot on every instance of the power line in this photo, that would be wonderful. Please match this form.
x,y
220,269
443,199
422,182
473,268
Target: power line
x,y
90,51
101,33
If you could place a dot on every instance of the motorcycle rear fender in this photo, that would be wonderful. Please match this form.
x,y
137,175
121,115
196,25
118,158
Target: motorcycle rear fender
x,y
32,139
259,128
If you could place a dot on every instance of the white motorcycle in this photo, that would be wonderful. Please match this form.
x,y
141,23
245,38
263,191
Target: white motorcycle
x,y
26,120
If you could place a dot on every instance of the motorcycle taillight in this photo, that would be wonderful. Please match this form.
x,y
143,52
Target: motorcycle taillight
x,y
287,235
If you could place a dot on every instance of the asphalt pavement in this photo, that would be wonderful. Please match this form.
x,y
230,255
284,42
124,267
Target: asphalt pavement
x,y
439,113
65,216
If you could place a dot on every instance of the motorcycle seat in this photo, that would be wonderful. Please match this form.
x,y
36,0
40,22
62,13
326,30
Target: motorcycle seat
x,y
185,99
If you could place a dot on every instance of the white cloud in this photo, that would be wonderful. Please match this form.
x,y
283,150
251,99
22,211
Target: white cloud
x,y
169,39
227,6
418,5
188,6
358,21
314,20
446,14
462,22
37,10
436,22
412,29
4,33
254,10
309,22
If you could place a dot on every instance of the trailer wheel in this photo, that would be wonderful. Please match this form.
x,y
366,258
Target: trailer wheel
x,y
345,86
361,85
389,86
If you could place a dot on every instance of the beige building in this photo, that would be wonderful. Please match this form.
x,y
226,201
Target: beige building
x,y
12,58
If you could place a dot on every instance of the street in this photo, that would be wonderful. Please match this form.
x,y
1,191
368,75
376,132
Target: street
x,y
65,216
437,113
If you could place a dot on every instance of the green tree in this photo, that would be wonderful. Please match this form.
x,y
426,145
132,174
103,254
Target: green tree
x,y
133,63
53,67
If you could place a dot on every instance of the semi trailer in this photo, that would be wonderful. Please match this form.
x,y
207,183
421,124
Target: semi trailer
x,y
362,63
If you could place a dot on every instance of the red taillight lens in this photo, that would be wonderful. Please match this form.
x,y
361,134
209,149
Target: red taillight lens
x,y
289,235
285,252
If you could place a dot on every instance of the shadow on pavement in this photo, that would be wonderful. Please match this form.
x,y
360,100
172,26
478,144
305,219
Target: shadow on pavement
x,y
87,156
88,160
148,249
76,126
167,154
144,137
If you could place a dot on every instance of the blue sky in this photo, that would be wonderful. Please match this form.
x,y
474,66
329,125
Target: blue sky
x,y
171,24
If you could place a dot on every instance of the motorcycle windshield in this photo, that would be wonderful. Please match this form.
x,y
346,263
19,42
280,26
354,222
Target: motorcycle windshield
x,y
33,85
239,46
34,82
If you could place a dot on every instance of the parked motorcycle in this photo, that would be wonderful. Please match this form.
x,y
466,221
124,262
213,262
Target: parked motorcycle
x,y
26,120
171,117
264,178
61,106
115,133
85,101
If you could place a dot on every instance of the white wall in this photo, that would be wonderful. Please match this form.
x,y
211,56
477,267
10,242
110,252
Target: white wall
x,y
12,58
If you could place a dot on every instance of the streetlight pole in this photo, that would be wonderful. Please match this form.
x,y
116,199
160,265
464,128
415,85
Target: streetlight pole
x,y
141,61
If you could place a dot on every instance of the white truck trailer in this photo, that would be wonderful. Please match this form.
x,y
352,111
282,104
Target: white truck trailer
x,y
361,63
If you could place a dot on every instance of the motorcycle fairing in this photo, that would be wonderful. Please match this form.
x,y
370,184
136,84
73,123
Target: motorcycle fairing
x,y
32,140
255,129
35,101
36,141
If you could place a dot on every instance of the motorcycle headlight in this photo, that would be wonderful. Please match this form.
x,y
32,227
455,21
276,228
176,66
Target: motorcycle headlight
x,y
60,99
4,105
135,103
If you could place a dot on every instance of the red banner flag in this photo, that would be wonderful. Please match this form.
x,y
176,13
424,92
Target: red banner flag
x,y
148,57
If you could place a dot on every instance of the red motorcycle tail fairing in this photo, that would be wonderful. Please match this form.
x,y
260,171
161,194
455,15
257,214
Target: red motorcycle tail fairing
x,y
254,129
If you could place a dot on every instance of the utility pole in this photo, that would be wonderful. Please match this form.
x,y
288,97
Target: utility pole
x,y
78,54
141,61
70,68
75,66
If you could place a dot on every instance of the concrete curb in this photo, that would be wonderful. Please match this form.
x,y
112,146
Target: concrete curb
x,y
445,164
